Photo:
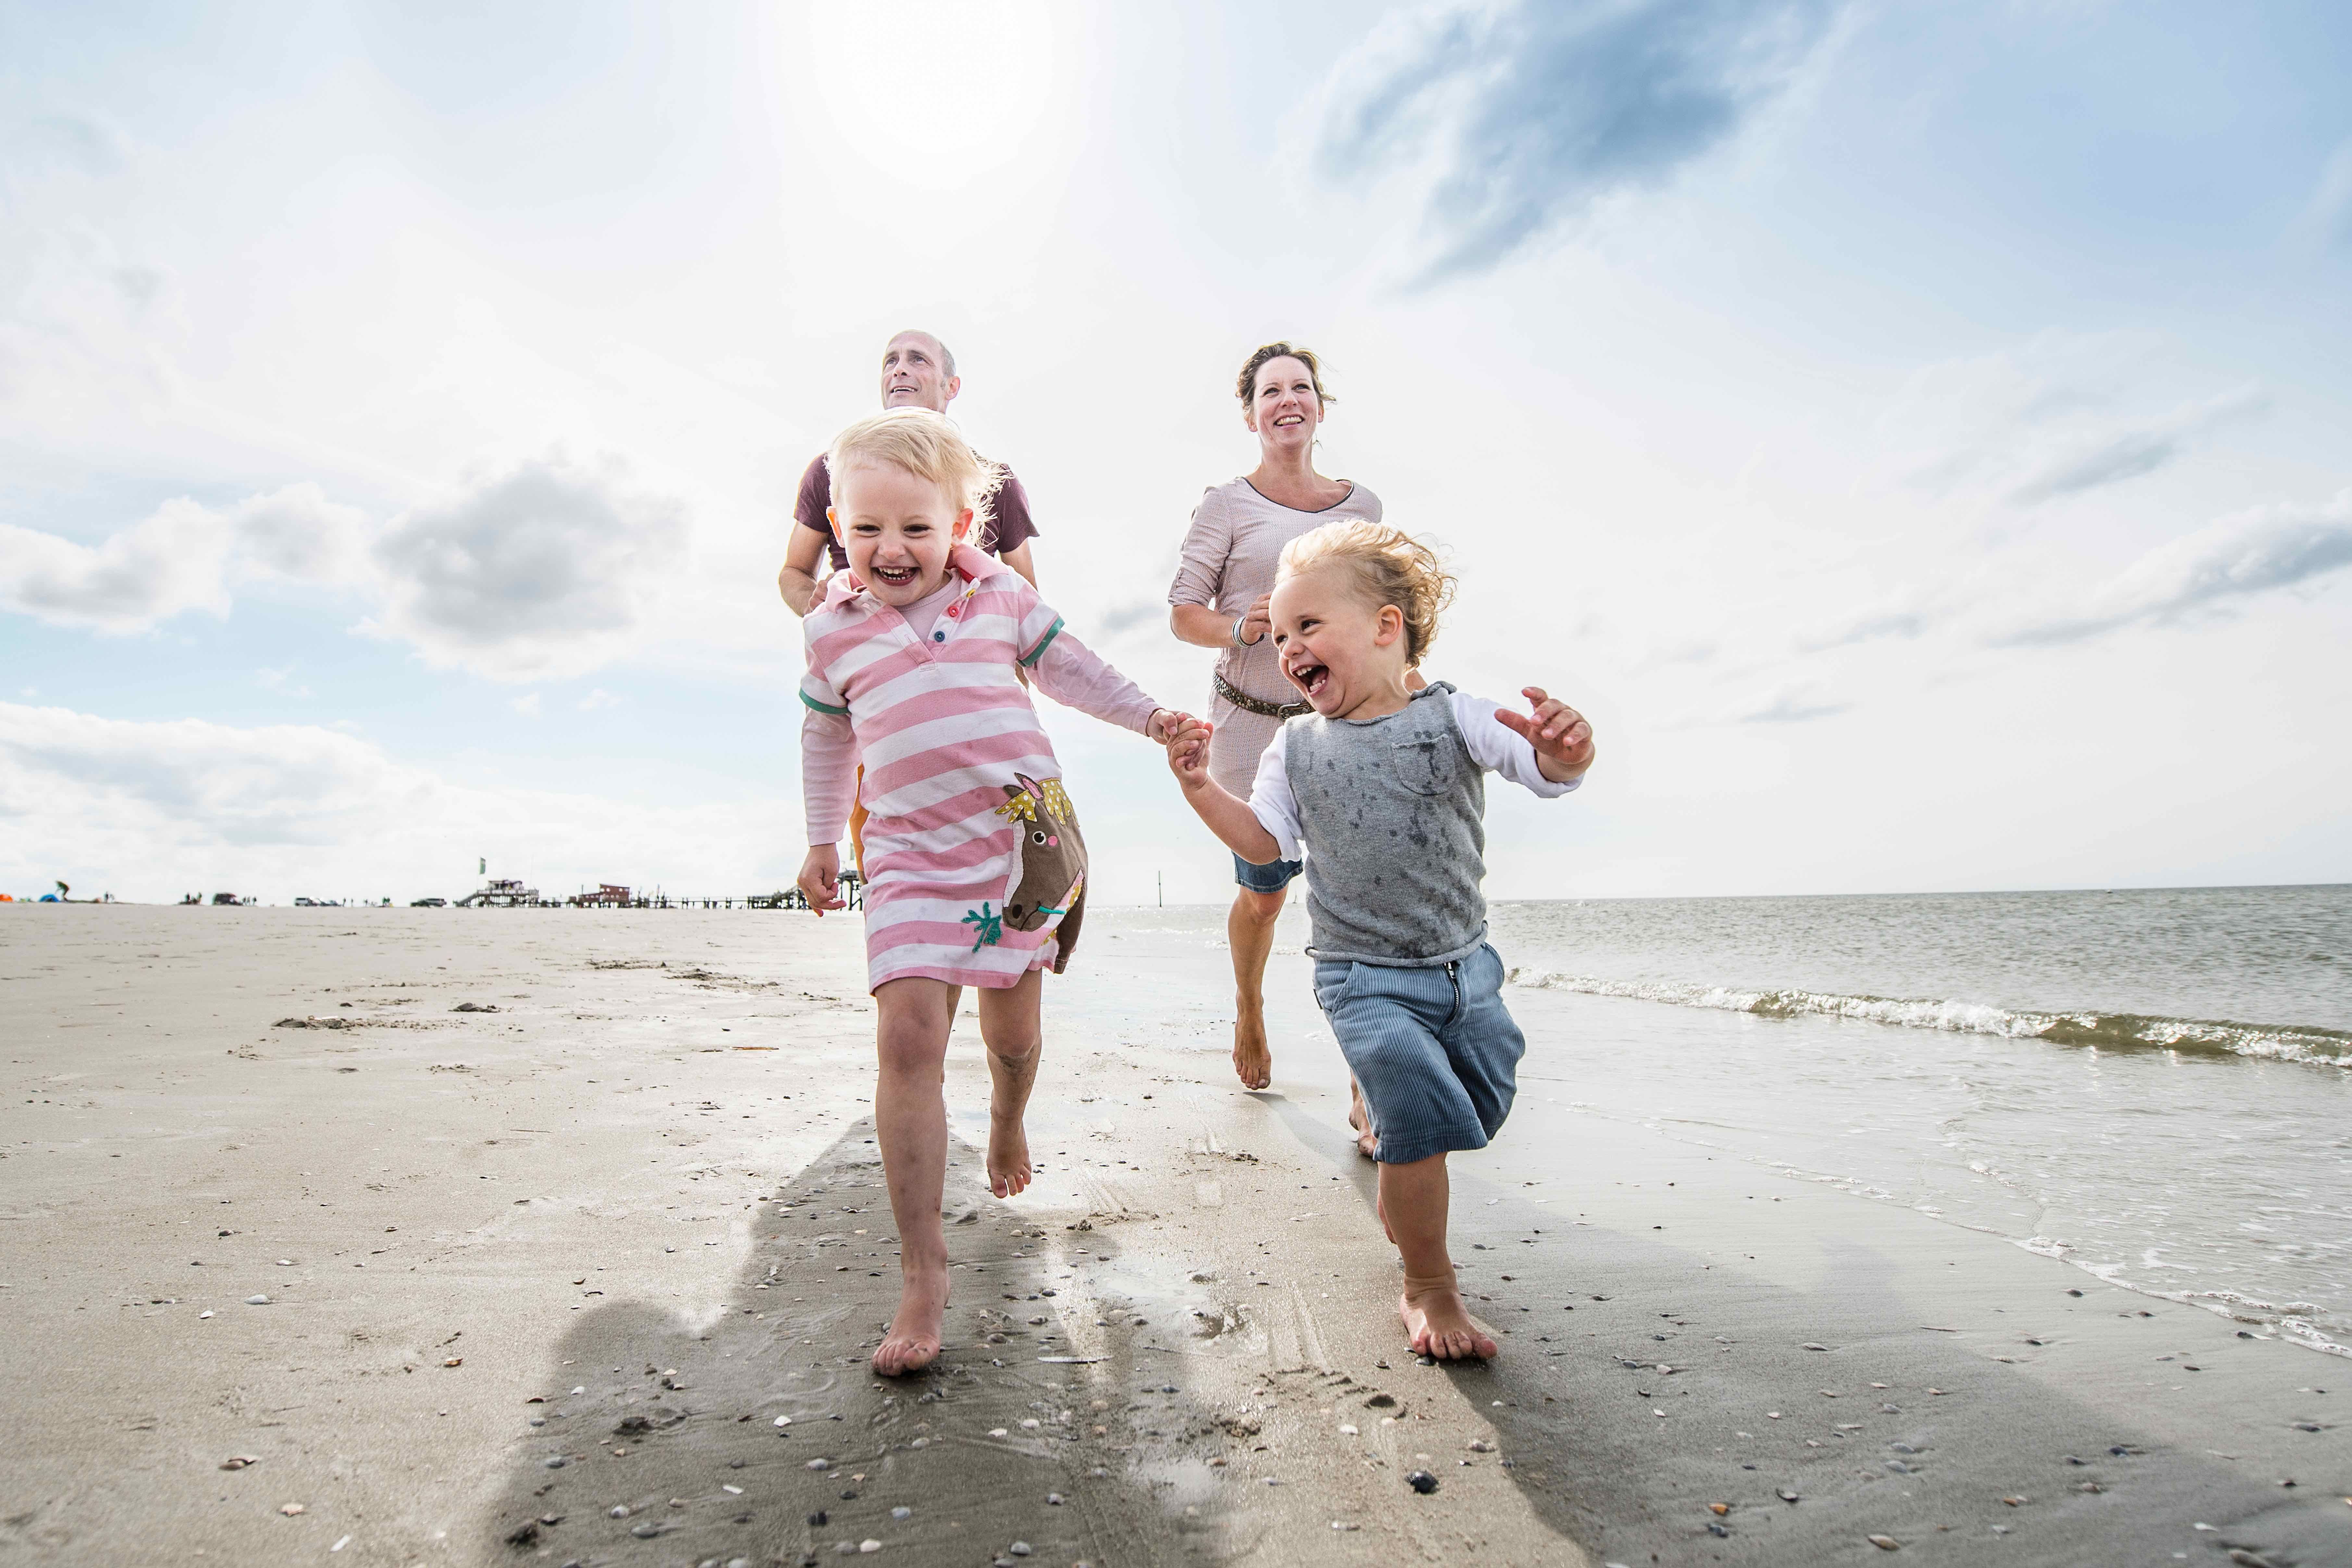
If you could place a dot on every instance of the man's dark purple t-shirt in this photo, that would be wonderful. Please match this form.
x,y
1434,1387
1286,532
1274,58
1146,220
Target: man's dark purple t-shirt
x,y
1009,526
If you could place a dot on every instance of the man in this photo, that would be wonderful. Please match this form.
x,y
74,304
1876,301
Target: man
x,y
918,372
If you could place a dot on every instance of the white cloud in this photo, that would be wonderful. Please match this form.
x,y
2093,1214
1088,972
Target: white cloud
x,y
543,569
599,698
527,705
2049,419
181,557
2233,558
150,810
1511,120
165,565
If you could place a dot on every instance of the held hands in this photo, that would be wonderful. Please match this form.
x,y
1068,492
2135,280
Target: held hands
x,y
1561,737
1166,723
1188,752
820,878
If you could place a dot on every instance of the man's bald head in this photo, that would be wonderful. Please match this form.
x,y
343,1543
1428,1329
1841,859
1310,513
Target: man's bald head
x,y
918,372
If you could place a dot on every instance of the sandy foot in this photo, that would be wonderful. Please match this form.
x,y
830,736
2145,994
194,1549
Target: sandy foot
x,y
1253,1063
913,1341
1008,1155
1359,1117
1437,1324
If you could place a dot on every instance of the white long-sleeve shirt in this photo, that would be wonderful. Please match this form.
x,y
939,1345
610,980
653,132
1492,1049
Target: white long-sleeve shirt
x,y
1492,747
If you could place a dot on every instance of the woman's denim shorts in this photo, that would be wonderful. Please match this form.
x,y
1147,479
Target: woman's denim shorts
x,y
1270,877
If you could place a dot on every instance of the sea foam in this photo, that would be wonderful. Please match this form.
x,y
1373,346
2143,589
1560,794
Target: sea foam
x,y
2111,1031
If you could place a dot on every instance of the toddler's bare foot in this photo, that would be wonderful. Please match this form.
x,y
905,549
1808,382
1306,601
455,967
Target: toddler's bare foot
x,y
1008,1155
1438,1325
1253,1063
1359,1117
913,1341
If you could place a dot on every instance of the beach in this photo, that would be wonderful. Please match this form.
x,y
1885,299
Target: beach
x,y
375,1236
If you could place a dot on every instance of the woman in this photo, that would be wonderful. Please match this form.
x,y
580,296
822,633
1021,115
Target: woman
x,y
1219,600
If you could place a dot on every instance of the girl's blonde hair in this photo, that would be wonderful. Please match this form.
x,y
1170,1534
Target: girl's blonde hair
x,y
1386,566
919,442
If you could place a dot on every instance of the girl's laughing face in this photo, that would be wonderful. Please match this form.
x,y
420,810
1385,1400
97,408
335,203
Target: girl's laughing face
x,y
1341,651
898,529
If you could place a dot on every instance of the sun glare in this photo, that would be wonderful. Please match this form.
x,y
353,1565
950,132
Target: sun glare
x,y
934,92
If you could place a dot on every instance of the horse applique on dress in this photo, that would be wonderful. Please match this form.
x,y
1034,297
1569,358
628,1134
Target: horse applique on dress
x,y
1050,868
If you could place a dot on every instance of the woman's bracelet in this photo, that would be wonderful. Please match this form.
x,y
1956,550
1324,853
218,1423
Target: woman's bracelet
x,y
1239,622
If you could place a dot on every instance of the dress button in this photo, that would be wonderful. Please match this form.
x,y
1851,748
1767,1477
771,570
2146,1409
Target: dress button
x,y
939,636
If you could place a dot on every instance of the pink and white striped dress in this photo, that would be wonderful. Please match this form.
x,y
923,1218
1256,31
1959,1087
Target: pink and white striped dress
x,y
972,852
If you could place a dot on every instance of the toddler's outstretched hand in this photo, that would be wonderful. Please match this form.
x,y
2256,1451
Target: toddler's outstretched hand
x,y
820,878
1561,737
1188,752
1166,723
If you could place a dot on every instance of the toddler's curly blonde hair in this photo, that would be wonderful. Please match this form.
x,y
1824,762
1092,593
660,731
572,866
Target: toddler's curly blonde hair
x,y
919,442
1387,566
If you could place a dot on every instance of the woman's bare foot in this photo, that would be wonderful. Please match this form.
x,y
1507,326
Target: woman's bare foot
x,y
1359,1117
1438,1325
913,1341
1253,1062
1008,1155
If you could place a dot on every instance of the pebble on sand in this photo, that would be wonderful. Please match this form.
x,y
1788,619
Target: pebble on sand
x,y
1886,1542
238,1461
257,1301
290,1510
1421,1481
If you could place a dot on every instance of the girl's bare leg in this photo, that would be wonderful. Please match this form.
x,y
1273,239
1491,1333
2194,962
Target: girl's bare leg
x,y
1010,1029
1414,1199
910,1123
1249,931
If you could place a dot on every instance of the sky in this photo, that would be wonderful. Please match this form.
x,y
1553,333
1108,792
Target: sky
x,y
1915,435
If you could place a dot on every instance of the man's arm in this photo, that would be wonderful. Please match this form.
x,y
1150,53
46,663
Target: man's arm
x,y
797,582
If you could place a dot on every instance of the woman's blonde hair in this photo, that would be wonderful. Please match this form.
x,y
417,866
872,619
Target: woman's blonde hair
x,y
1386,566
919,442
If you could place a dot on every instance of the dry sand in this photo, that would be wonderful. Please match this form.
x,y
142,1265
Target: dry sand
x,y
591,1278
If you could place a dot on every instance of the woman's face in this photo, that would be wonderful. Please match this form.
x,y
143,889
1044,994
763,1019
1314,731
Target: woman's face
x,y
1283,408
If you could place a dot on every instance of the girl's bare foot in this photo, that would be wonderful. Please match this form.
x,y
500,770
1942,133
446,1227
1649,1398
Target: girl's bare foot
x,y
913,1341
1008,1155
1253,1062
1359,1117
1438,1325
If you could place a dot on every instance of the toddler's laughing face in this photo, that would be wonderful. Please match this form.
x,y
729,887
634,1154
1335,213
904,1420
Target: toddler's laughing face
x,y
1341,651
898,529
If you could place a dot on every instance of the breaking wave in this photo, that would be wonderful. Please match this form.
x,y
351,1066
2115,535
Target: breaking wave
x,y
2106,1031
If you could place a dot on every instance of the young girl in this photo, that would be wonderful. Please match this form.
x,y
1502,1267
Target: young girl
x,y
1383,787
978,871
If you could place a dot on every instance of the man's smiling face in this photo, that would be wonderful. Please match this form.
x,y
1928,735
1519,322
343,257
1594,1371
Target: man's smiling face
x,y
914,374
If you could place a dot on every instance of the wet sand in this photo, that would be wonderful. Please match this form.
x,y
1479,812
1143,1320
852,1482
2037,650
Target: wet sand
x,y
591,1278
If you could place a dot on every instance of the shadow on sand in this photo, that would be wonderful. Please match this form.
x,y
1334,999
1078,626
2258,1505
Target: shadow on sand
x,y
763,1438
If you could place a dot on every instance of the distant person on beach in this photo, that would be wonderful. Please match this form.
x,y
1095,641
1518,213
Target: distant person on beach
x,y
1382,786
977,872
918,372
1224,580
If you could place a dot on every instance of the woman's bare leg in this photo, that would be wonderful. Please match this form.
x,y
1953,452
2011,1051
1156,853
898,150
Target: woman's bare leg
x,y
1010,1029
910,1124
1249,931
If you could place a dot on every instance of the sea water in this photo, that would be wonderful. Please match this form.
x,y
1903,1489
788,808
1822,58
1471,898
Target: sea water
x,y
2153,1085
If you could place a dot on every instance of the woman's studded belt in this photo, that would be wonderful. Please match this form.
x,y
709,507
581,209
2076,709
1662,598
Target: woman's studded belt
x,y
1248,704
